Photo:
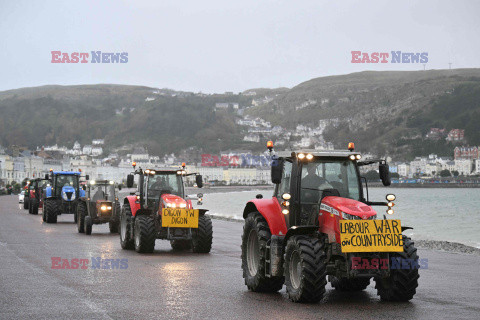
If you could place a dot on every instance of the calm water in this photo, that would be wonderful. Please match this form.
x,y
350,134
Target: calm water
x,y
435,214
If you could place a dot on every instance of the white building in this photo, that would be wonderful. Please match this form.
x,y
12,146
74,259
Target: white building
x,y
403,170
87,149
464,167
97,151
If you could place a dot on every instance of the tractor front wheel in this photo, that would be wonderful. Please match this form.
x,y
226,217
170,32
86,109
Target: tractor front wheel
x,y
88,225
254,248
114,224
203,236
351,285
35,206
25,203
81,213
402,283
50,211
126,240
144,234
305,270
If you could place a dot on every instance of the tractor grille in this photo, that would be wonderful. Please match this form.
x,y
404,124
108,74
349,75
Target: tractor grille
x,y
69,195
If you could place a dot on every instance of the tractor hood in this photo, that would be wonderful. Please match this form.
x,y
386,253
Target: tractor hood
x,y
173,201
349,206
68,193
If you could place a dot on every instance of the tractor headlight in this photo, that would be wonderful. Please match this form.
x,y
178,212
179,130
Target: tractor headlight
x,y
351,157
358,157
301,156
182,205
171,205
109,208
309,156
390,197
285,211
390,211
103,208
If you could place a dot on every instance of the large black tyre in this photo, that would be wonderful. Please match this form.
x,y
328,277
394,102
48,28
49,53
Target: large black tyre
x,y
402,283
203,236
81,213
349,285
126,240
114,224
145,234
34,207
25,202
44,210
51,211
254,247
30,207
88,225
75,216
305,269
181,245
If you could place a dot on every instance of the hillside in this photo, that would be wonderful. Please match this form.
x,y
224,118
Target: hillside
x,y
383,111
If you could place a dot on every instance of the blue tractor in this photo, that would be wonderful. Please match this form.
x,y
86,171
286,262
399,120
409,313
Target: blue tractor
x,y
61,194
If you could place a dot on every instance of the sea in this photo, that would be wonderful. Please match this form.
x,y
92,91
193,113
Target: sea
x,y
435,214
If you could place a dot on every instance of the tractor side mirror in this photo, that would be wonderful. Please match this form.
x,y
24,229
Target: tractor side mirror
x,y
199,180
130,181
384,171
277,171
87,177
47,177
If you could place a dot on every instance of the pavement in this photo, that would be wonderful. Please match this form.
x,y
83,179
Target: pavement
x,y
184,285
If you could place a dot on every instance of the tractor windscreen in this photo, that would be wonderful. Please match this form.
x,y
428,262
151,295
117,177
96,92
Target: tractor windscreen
x,y
162,183
320,175
102,192
65,180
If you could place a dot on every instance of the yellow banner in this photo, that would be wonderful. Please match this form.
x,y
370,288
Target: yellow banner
x,y
180,218
371,236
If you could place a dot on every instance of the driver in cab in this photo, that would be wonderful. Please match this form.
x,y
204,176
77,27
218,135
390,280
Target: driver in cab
x,y
312,184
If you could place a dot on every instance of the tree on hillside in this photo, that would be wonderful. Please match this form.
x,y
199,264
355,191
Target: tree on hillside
x,y
445,173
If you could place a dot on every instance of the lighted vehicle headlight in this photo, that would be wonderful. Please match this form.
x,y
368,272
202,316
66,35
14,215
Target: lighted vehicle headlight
x,y
182,205
390,211
390,204
301,156
351,157
92,182
285,211
109,208
358,157
286,196
171,205
309,156
390,197
111,182
103,208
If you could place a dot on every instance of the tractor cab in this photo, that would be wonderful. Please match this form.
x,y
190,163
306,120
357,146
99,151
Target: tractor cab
x,y
33,195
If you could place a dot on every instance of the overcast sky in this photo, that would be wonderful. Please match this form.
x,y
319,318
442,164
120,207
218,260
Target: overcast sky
x,y
217,46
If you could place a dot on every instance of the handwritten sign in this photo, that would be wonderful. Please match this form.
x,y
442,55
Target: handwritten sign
x,y
371,236
180,218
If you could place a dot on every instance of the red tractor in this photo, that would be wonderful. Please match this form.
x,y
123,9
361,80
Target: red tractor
x,y
160,210
34,194
319,223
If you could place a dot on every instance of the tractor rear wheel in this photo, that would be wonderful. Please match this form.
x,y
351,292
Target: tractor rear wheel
x,y
50,211
88,225
351,285
144,234
30,207
81,213
34,206
305,270
402,283
202,237
25,203
181,245
254,247
126,240
115,223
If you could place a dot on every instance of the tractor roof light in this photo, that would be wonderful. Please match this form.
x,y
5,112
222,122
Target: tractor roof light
x,y
51,170
390,211
286,196
309,156
301,156
352,157
390,197
147,171
351,146
270,145
92,182
152,172
111,182
358,157
184,165
134,164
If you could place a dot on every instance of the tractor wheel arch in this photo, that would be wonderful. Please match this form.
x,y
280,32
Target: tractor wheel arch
x,y
270,211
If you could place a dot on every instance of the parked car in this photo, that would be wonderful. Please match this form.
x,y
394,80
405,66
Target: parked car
x,y
21,196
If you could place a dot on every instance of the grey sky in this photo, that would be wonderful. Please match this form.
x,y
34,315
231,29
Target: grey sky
x,y
217,46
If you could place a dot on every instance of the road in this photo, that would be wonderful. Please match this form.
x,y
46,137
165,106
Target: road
x,y
171,285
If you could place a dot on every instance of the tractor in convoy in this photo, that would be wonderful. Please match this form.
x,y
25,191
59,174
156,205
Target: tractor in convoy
x,y
320,224
33,199
161,210
61,194
100,205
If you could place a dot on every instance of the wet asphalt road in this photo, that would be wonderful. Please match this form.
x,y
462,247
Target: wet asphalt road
x,y
171,285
